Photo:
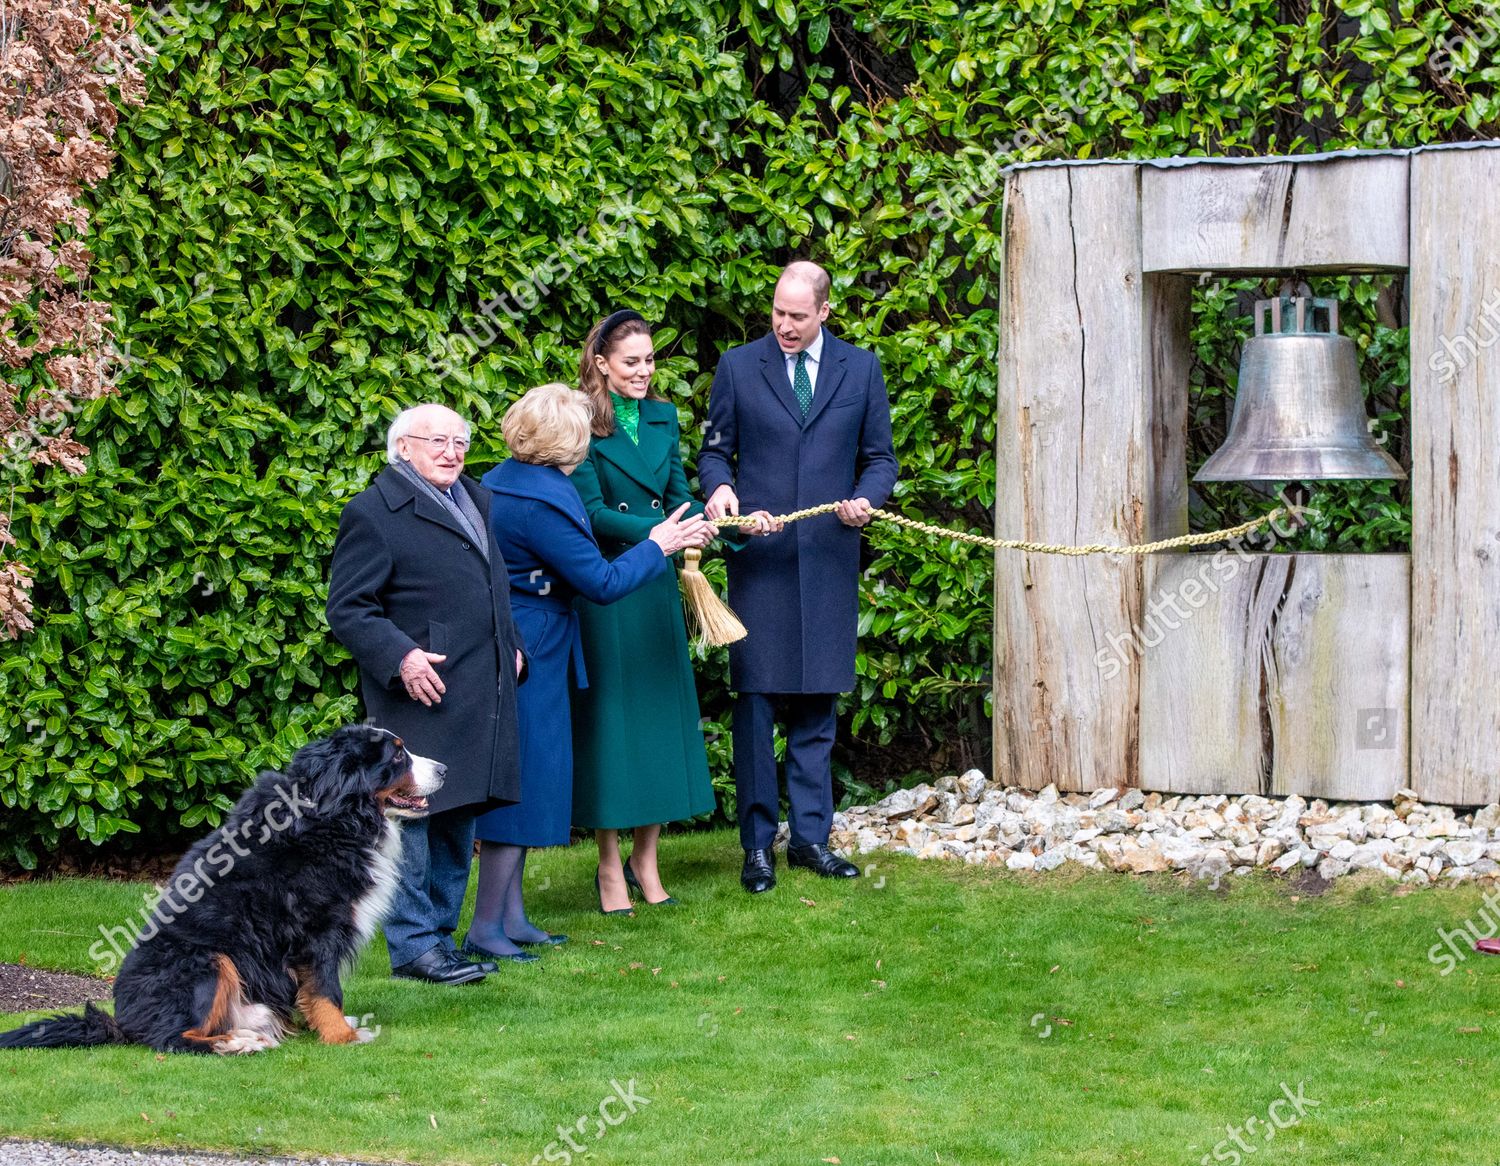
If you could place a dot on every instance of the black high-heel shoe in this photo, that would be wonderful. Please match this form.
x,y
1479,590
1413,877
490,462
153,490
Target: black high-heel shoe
x,y
617,911
635,884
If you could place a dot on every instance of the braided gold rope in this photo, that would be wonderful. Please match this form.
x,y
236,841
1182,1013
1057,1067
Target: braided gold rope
x,y
1013,544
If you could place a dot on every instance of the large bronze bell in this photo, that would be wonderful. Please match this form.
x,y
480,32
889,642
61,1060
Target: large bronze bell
x,y
1299,413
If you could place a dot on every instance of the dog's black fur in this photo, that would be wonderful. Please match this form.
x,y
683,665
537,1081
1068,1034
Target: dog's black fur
x,y
282,902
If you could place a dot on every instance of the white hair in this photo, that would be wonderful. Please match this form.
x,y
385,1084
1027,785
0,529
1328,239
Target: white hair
x,y
401,427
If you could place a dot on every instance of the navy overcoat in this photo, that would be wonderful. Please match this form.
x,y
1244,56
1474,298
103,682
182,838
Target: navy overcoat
x,y
407,575
797,591
540,524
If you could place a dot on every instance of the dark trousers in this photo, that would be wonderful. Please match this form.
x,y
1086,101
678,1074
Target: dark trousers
x,y
811,721
436,852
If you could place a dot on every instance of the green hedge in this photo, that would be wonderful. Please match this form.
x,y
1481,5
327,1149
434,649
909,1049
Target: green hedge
x,y
320,196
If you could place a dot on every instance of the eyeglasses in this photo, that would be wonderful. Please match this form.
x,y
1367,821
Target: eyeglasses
x,y
438,444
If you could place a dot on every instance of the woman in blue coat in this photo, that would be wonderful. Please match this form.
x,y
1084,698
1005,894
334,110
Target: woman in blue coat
x,y
551,556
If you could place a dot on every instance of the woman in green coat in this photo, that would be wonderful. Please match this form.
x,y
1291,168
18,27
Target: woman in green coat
x,y
638,749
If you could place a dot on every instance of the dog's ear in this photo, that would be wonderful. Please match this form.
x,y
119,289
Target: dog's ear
x,y
325,775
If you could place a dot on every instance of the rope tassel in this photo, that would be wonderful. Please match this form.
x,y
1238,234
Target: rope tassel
x,y
710,621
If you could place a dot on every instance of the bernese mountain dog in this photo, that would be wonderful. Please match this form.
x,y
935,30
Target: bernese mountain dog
x,y
260,919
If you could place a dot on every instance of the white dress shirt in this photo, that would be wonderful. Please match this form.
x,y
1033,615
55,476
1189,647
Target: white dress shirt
x,y
814,361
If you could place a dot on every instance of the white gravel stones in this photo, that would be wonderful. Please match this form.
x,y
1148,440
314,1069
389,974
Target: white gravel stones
x,y
973,820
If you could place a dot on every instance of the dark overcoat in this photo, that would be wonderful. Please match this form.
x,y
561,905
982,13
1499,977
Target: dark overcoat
x,y
797,591
407,575
538,520
638,746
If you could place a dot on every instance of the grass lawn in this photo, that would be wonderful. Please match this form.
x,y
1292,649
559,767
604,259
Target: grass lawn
x,y
928,1013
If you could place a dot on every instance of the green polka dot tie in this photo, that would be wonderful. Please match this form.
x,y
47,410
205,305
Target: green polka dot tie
x,y
802,384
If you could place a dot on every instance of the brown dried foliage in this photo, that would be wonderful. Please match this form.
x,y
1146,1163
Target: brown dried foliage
x,y
63,65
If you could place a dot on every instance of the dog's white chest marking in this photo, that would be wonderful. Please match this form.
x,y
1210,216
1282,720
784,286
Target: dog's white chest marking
x,y
370,909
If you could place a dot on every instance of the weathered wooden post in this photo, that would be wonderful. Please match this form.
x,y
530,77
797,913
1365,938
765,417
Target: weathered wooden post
x,y
1240,672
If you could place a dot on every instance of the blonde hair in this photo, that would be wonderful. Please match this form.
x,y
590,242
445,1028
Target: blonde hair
x,y
549,426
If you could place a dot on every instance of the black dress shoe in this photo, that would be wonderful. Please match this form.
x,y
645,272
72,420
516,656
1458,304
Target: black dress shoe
x,y
483,955
759,871
437,965
820,860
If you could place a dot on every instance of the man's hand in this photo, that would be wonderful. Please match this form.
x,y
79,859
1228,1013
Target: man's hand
x,y
421,682
765,524
520,662
721,502
854,512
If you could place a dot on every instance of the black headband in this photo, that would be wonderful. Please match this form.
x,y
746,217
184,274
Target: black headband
x,y
613,321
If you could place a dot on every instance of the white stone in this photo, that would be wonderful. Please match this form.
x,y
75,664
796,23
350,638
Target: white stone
x,y
1102,797
1022,860
1465,853
1285,863
1051,860
1342,850
1132,799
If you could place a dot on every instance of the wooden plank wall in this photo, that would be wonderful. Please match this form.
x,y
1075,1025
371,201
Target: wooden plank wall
x,y
1275,674
1338,214
1455,441
1078,375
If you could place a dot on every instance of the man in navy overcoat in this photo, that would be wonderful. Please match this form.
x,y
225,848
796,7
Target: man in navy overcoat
x,y
418,594
796,419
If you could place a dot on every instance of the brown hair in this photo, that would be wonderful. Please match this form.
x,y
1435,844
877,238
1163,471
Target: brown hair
x,y
594,384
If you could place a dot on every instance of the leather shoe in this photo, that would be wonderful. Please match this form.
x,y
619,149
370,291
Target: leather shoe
x,y
437,965
483,956
759,871
821,861
635,885
551,941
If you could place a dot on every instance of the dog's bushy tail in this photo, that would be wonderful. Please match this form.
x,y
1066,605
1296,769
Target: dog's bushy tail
x,y
63,1031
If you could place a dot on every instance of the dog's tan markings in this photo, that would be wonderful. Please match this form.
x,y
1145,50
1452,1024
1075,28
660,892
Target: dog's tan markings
x,y
323,1016
215,1027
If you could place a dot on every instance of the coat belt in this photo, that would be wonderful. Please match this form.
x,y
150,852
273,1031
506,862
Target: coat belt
x,y
557,603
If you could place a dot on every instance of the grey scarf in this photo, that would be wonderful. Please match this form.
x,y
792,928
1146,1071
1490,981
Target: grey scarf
x,y
460,507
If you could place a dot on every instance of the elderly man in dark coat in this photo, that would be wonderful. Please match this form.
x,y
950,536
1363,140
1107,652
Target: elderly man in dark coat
x,y
419,594
796,419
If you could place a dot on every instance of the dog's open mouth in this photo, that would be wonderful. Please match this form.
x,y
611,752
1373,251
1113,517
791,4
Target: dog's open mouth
x,y
404,804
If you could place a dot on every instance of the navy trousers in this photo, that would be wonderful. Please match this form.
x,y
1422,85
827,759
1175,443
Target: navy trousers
x,y
811,721
436,852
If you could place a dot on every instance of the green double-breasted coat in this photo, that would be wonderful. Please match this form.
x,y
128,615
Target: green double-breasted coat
x,y
638,755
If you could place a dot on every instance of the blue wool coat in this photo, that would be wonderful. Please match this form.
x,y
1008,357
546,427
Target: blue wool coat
x,y
541,528
797,591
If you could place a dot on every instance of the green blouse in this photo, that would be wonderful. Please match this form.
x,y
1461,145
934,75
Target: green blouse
x,y
627,415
